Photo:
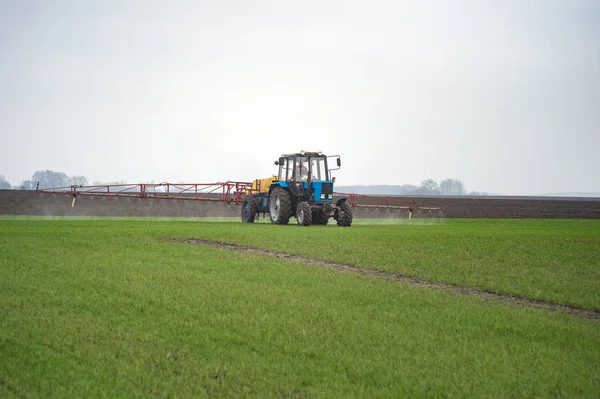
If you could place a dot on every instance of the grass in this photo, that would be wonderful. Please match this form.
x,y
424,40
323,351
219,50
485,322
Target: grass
x,y
103,308
550,260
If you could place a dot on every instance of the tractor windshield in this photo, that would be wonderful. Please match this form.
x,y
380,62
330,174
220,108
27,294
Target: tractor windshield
x,y
301,169
318,169
298,168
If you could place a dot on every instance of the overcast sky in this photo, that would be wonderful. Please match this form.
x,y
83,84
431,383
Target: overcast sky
x,y
504,95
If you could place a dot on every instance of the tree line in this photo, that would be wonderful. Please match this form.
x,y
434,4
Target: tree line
x,y
445,187
51,179
46,179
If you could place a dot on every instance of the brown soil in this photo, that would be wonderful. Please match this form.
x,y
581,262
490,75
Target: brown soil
x,y
490,207
14,202
521,301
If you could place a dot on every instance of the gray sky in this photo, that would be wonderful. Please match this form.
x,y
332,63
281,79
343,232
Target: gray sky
x,y
504,95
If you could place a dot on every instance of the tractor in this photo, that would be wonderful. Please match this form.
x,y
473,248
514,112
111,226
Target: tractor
x,y
303,189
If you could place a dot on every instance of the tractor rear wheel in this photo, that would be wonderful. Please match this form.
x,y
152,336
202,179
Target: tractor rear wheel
x,y
320,216
344,214
280,206
303,214
249,209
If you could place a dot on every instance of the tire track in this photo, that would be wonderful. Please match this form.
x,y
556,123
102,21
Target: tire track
x,y
488,295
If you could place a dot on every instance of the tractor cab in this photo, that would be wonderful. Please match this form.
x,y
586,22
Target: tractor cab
x,y
307,175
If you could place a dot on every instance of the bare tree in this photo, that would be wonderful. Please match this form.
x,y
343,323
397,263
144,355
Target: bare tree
x,y
79,181
428,187
4,184
52,179
452,187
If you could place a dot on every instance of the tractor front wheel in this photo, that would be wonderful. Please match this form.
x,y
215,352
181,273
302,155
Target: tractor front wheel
x,y
320,216
280,206
344,214
303,214
249,209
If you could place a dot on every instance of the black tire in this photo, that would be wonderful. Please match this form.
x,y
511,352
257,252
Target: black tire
x,y
280,206
249,209
303,214
320,217
344,218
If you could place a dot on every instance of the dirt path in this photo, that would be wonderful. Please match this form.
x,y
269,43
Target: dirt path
x,y
521,301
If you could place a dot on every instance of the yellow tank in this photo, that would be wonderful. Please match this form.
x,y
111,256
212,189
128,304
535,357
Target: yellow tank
x,y
262,185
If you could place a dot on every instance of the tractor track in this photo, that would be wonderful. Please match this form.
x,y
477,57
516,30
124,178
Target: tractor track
x,y
487,295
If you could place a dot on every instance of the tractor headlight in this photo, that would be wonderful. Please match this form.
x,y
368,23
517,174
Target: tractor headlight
x,y
323,196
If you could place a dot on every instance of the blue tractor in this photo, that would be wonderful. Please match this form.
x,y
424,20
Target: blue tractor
x,y
303,189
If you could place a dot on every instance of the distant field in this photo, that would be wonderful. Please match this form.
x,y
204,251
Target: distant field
x,y
107,308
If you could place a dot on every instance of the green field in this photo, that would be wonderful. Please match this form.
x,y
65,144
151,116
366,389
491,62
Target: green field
x,y
107,308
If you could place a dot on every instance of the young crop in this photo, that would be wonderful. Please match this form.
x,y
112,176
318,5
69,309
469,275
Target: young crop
x,y
111,308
